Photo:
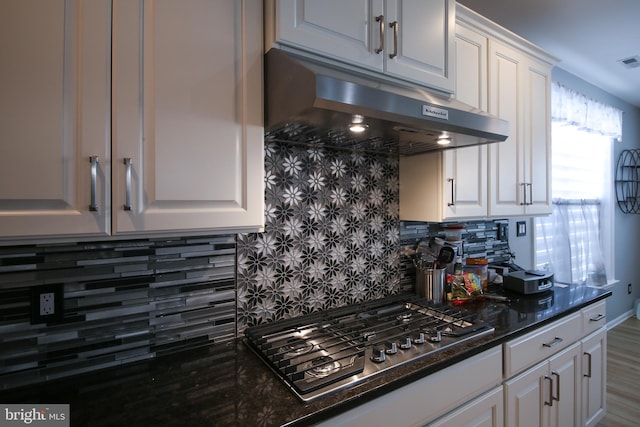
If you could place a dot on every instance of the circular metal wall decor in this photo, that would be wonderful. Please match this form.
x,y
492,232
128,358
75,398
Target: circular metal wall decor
x,y
628,181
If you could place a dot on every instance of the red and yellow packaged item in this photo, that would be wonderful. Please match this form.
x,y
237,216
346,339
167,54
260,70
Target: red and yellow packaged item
x,y
465,288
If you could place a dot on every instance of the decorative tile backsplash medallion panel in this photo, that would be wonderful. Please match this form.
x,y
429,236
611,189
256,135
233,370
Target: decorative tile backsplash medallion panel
x,y
332,230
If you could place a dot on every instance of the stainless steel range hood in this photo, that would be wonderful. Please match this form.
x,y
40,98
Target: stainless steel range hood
x,y
302,91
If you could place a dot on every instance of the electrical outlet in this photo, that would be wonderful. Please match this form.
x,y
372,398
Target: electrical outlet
x,y
47,303
503,232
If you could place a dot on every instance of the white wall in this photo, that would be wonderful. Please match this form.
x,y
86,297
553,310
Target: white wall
x,y
522,246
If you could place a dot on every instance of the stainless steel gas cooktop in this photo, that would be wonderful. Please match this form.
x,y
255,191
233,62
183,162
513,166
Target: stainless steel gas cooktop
x,y
320,353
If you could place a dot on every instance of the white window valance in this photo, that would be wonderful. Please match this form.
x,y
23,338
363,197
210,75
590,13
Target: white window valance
x,y
574,108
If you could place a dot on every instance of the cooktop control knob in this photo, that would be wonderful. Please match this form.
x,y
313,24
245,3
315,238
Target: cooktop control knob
x,y
406,344
378,355
419,338
435,336
391,348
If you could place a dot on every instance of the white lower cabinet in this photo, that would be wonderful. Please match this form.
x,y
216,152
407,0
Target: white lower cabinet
x,y
428,398
556,375
547,394
594,378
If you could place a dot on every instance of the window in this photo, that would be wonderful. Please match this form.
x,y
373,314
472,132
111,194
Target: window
x,y
576,241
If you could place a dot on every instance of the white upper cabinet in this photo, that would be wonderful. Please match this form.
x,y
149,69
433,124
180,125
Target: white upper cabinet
x,y
337,29
407,39
452,184
520,88
419,41
465,168
187,116
130,117
505,75
54,118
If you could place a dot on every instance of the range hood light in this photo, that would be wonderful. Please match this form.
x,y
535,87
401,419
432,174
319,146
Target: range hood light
x,y
444,139
357,124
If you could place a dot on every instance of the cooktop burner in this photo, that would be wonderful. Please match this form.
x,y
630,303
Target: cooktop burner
x,y
320,353
322,366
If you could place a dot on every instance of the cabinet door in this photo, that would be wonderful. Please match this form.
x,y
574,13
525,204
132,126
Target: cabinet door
x,y
187,110
465,169
537,138
520,177
422,190
525,397
485,411
506,185
547,394
343,30
420,36
54,116
565,372
452,183
594,378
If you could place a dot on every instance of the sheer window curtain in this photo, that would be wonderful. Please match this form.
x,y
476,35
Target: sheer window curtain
x,y
575,242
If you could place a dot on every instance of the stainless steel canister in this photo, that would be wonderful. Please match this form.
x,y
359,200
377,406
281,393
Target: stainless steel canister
x,y
430,283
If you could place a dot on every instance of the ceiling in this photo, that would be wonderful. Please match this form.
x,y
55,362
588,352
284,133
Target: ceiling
x,y
590,37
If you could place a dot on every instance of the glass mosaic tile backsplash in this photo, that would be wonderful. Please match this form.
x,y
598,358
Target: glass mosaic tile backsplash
x,y
123,302
331,236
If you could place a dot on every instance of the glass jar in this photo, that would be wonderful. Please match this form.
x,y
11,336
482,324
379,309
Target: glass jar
x,y
479,267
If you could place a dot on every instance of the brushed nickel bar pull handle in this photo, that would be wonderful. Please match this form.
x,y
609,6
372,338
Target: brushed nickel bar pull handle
x,y
530,194
453,194
557,398
524,190
127,180
394,25
598,317
550,402
380,19
94,160
588,374
556,340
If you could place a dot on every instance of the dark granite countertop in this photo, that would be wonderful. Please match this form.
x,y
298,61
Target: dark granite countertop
x,y
226,384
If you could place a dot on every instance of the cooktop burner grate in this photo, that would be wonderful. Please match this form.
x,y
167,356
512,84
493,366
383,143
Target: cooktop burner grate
x,y
322,352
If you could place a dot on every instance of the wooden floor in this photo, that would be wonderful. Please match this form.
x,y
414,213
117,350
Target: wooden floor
x,y
623,375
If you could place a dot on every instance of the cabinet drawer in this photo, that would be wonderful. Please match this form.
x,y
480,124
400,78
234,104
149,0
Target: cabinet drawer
x,y
594,317
429,397
541,344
